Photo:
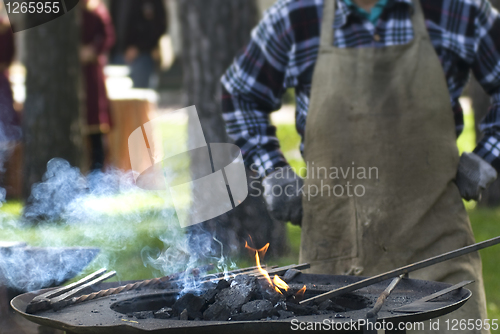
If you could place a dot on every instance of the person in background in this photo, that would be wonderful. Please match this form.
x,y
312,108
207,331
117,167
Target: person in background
x,y
97,39
9,120
377,84
139,25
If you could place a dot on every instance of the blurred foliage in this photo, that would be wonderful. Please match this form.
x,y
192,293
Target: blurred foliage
x,y
467,140
486,225
289,96
290,145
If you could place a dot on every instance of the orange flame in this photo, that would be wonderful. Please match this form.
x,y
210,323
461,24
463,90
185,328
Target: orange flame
x,y
263,251
277,283
301,292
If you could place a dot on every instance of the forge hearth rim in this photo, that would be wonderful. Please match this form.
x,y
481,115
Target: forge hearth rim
x,y
66,319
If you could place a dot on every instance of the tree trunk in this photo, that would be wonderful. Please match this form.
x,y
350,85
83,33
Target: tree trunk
x,y
212,34
51,120
481,104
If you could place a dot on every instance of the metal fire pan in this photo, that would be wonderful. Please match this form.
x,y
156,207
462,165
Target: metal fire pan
x,y
101,316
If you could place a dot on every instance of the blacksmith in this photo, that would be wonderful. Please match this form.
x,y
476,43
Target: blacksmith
x,y
377,85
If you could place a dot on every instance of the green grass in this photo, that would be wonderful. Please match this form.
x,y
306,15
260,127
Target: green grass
x,y
126,226
467,140
290,141
486,225
121,238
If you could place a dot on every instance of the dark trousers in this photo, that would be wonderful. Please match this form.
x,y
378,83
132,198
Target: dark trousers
x,y
96,151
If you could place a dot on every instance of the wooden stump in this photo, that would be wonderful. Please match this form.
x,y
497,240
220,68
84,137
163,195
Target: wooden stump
x,y
128,115
12,180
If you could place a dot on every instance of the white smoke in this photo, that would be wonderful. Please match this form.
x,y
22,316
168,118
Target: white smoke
x,y
108,211
100,209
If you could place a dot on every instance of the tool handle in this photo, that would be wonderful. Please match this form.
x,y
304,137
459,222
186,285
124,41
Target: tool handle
x,y
403,270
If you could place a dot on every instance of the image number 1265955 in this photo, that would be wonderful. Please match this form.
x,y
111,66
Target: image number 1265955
x,y
28,14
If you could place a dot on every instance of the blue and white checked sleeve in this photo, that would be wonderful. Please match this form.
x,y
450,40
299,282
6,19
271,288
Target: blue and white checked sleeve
x,y
253,87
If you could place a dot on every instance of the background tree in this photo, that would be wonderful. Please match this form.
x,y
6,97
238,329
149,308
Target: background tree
x,y
51,120
212,34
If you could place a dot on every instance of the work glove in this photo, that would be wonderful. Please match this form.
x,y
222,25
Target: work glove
x,y
473,176
282,193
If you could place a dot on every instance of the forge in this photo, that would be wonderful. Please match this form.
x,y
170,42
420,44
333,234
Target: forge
x,y
248,301
163,309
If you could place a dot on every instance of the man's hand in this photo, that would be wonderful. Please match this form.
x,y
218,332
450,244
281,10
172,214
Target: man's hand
x,y
283,196
473,176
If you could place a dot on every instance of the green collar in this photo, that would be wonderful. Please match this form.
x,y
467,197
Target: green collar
x,y
373,15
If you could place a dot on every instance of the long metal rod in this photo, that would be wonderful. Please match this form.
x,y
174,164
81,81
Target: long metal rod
x,y
114,291
62,302
272,270
403,270
371,316
141,284
42,302
283,270
237,271
49,299
64,289
383,296
131,286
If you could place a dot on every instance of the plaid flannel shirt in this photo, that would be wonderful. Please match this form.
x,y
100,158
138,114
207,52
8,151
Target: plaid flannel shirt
x,y
284,46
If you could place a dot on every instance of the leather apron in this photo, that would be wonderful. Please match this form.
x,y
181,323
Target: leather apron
x,y
381,154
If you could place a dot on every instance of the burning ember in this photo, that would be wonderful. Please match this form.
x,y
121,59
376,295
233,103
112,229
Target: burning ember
x,y
276,283
301,292
279,284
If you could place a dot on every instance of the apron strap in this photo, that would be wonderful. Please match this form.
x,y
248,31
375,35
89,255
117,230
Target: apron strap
x,y
326,39
418,21
327,24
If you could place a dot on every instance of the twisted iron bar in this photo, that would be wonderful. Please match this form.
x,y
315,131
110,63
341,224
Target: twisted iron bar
x,y
172,278
135,286
114,291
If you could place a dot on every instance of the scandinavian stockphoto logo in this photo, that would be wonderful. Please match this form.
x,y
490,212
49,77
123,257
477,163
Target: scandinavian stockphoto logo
x,y
204,180
28,14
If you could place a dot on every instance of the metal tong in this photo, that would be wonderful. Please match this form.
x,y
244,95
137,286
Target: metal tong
x,y
74,293
58,298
